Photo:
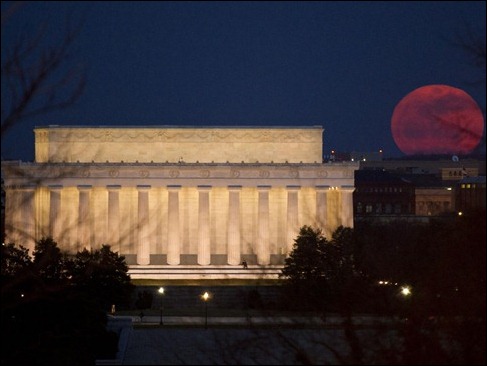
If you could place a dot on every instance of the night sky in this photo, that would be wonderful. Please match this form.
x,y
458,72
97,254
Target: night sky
x,y
341,65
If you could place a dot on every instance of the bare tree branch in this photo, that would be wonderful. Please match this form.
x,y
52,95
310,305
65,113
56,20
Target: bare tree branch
x,y
35,77
473,44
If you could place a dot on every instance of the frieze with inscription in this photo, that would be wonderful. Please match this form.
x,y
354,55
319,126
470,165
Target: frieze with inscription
x,y
182,135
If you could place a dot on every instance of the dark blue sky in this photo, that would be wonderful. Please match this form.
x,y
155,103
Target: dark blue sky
x,y
342,65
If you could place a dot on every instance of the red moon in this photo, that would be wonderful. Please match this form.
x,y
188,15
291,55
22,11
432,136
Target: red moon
x,y
437,119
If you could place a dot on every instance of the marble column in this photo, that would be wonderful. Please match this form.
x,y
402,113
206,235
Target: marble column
x,y
347,205
28,218
14,227
292,223
84,227
233,228
204,253
10,215
55,212
321,209
173,231
263,243
113,219
143,244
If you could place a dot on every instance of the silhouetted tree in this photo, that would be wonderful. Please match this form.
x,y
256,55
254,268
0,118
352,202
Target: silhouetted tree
x,y
102,274
13,260
49,263
349,286
444,263
306,270
53,308
321,274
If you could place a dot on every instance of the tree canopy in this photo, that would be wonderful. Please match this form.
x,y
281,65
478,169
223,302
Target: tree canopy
x,y
54,306
321,273
363,269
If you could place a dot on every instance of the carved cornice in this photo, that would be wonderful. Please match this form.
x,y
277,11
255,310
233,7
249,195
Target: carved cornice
x,y
201,135
39,172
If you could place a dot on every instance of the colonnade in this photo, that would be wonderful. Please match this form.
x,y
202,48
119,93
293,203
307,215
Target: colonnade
x,y
262,248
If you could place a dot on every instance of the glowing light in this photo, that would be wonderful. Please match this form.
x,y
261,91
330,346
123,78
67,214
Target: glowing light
x,y
205,298
161,290
406,291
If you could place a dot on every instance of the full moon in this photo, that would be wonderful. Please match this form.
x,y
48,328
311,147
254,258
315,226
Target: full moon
x,y
437,119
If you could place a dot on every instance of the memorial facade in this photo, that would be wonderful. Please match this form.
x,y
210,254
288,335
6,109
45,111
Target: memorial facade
x,y
178,202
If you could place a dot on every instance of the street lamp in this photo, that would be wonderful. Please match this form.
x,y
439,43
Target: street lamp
x,y
205,298
406,291
161,292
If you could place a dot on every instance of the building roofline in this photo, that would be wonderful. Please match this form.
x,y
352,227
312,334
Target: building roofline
x,y
181,126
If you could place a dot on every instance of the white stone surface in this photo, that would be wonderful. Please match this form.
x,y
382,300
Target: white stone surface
x,y
178,144
183,212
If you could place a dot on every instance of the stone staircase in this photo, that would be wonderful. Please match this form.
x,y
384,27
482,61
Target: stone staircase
x,y
210,272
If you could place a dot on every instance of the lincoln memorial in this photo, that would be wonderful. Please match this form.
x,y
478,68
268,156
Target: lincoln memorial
x,y
178,202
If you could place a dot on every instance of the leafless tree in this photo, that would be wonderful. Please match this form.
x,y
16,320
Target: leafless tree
x,y
37,76
473,44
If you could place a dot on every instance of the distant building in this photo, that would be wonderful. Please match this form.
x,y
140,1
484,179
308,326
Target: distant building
x,y
470,194
440,167
435,182
433,196
336,156
378,193
456,173
366,156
